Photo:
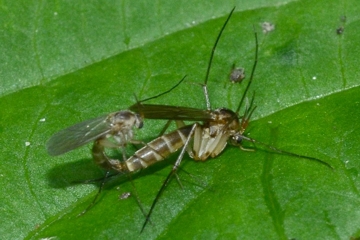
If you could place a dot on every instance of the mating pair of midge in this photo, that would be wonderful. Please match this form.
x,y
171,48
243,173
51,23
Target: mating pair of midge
x,y
209,140
207,137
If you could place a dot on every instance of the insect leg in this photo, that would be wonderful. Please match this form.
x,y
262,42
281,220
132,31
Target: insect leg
x,y
104,161
165,128
168,178
95,180
179,124
101,159
138,201
96,196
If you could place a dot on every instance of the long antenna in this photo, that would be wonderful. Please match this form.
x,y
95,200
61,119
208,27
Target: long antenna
x,y
211,60
214,47
286,152
252,72
163,93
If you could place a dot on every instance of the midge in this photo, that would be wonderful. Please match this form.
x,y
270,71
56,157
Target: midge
x,y
200,140
118,126
114,131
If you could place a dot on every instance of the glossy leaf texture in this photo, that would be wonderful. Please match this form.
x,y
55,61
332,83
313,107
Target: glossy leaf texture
x,y
63,63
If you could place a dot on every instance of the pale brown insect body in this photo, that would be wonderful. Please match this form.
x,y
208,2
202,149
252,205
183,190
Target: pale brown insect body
x,y
151,153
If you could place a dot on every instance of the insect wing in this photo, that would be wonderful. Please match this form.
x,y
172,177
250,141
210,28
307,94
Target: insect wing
x,y
78,135
153,111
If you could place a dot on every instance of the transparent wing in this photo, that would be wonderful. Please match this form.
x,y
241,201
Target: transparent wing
x,y
153,111
78,135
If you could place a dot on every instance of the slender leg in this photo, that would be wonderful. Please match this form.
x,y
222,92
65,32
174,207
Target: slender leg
x,y
138,201
96,196
168,178
165,128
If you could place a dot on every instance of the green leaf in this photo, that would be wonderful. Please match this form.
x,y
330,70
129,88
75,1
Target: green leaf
x,y
64,63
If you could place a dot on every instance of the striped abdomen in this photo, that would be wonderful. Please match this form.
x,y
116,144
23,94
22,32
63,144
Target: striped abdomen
x,y
158,149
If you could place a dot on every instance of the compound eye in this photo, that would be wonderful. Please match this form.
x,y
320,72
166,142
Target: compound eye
x,y
238,139
123,116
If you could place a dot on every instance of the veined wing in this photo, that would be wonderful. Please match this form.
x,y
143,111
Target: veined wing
x,y
153,111
78,135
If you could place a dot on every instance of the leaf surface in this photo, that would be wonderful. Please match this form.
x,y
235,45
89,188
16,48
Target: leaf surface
x,y
64,63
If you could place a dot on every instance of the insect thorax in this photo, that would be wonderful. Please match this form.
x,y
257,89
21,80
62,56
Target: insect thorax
x,y
125,120
226,120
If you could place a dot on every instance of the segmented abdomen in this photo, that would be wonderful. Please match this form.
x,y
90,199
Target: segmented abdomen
x,y
158,149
